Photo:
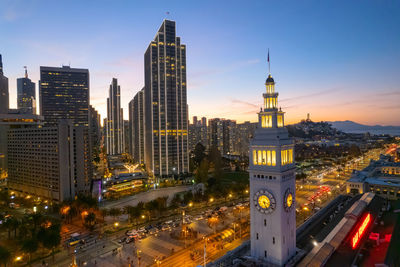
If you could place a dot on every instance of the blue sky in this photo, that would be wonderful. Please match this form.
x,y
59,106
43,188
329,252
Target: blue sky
x,y
337,60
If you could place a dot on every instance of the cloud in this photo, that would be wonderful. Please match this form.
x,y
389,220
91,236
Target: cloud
x,y
320,93
243,103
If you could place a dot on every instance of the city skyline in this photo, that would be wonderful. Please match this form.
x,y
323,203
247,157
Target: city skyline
x,y
319,62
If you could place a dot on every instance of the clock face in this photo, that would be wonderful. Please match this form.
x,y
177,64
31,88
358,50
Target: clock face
x,y
264,201
288,200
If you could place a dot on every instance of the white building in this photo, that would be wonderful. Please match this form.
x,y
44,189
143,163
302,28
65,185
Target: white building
x,y
272,185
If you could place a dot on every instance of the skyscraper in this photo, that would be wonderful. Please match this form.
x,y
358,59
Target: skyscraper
x,y
95,130
26,95
4,105
64,94
166,123
136,127
115,121
272,185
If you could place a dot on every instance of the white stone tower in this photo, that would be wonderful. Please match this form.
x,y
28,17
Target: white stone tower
x,y
272,185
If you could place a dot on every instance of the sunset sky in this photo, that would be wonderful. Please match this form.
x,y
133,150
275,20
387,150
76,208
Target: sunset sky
x,y
337,60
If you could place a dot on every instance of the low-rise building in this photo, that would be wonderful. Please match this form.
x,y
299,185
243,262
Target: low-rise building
x,y
381,177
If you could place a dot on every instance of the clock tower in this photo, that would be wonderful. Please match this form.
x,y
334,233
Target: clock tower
x,y
272,184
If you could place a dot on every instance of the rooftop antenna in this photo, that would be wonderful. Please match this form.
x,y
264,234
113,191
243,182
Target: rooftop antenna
x,y
26,72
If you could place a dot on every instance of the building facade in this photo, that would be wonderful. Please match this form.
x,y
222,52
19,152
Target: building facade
x,y
95,130
136,127
64,95
381,177
26,95
115,142
272,185
166,111
222,134
48,162
4,98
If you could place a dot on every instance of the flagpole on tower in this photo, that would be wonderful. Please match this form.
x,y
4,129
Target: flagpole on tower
x,y
269,64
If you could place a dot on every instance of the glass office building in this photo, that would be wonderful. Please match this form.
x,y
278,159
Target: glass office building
x,y
166,139
26,95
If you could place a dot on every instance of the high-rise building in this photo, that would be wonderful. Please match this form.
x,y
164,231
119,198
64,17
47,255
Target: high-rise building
x,y
195,120
197,134
126,136
13,120
272,185
204,121
4,105
222,134
166,111
26,95
95,130
64,94
49,162
136,127
115,121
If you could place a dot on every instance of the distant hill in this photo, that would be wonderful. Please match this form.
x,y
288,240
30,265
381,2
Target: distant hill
x,y
353,127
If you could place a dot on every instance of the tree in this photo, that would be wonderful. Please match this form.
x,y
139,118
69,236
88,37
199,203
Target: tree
x,y
216,159
30,246
90,221
51,239
5,255
199,154
202,171
115,212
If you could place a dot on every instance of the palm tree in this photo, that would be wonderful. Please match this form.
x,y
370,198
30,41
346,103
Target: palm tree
x,y
30,246
90,221
5,255
51,240
115,212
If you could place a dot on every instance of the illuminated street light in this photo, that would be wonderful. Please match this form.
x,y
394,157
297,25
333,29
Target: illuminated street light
x,y
230,195
211,199
18,258
35,209
143,216
190,204
116,224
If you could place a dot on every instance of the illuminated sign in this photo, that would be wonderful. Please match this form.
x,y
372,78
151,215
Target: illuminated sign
x,y
357,235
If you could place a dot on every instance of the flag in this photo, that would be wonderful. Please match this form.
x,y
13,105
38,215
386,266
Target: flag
x,y
268,55
167,12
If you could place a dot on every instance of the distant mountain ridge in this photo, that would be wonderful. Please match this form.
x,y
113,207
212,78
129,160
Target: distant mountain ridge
x,y
353,127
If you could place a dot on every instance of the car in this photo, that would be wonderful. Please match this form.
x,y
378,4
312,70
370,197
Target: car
x,y
129,240
122,240
199,217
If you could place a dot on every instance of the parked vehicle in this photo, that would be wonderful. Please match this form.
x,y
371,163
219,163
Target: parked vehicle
x,y
122,240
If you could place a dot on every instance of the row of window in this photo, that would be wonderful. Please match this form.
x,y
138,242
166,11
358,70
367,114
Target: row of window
x,y
286,156
264,157
270,102
266,121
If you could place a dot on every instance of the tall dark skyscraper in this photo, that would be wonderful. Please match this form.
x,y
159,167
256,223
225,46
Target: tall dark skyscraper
x,y
115,121
136,127
4,105
166,148
64,94
26,95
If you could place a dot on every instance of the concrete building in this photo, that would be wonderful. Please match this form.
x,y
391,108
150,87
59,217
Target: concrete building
x,y
166,111
13,120
136,127
115,121
381,177
197,134
4,98
272,185
64,95
49,162
26,95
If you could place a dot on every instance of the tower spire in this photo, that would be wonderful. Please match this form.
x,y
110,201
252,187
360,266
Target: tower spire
x,y
26,72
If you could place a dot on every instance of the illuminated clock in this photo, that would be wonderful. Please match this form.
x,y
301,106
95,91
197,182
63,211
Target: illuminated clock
x,y
288,200
264,201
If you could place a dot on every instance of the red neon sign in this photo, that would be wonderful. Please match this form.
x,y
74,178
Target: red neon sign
x,y
357,236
